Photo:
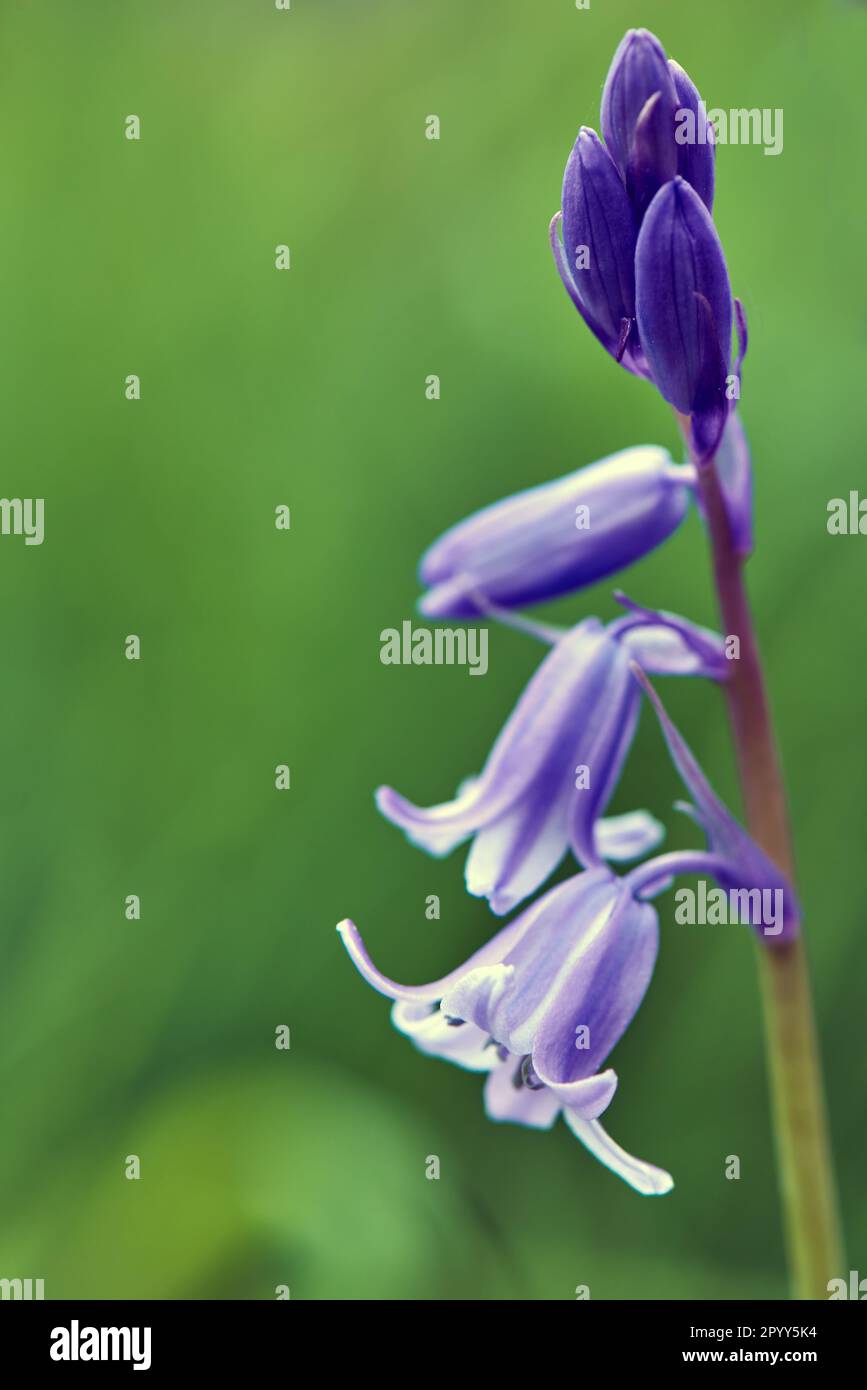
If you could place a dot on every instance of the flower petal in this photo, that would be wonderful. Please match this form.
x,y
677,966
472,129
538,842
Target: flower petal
x,y
436,829
492,951
512,856
639,69
621,838
654,157
603,738
588,1097
684,306
558,537
599,235
744,865
476,996
562,263
597,989
667,645
518,1105
507,994
696,156
432,1033
644,1177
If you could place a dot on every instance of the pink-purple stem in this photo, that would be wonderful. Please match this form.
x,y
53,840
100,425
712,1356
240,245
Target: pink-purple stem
x,y
800,1122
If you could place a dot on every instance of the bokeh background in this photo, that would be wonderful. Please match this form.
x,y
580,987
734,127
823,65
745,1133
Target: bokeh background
x,y
307,1168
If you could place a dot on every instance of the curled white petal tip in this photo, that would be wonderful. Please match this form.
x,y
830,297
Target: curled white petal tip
x,y
643,1177
621,838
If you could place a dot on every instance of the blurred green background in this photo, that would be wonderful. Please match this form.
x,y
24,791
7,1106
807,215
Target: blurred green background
x,y
307,1168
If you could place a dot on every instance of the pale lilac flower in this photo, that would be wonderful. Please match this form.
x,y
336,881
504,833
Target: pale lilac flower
x,y
556,763
559,536
540,1007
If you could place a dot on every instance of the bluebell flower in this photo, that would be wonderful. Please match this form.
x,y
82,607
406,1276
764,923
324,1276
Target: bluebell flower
x,y
553,769
559,536
539,1009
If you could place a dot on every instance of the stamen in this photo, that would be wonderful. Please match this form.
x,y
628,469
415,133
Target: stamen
x,y
529,1076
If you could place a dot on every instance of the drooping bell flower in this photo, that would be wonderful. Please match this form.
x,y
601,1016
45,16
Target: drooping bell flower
x,y
733,858
639,104
558,537
540,1007
542,1004
684,309
596,259
553,769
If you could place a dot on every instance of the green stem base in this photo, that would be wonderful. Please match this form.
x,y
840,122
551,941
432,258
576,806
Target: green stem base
x,y
798,1104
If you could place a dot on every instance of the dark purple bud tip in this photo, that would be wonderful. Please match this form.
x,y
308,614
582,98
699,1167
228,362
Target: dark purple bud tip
x,y
684,310
639,72
599,237
694,136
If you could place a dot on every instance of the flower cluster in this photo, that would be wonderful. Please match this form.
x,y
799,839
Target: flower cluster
x,y
542,1005
640,255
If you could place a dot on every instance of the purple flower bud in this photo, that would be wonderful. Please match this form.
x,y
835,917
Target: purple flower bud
x,y
599,242
639,102
557,537
684,308
695,137
540,1007
553,770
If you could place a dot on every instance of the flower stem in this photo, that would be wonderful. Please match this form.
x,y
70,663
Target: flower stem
x,y
800,1122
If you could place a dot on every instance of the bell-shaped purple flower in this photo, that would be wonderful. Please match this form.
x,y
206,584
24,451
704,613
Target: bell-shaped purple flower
x,y
695,137
558,537
540,1007
556,763
639,102
596,260
684,307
